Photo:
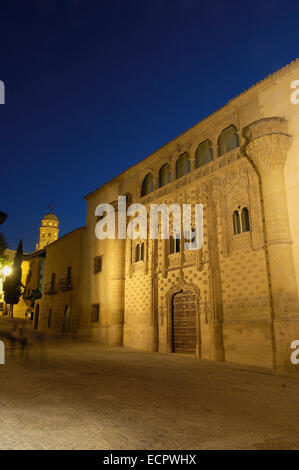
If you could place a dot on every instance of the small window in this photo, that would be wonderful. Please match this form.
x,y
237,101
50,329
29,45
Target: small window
x,y
69,274
245,220
50,318
241,221
53,278
97,266
147,185
174,245
182,166
95,313
236,222
139,252
189,239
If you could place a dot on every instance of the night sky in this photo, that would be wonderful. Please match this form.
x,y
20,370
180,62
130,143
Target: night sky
x,y
92,87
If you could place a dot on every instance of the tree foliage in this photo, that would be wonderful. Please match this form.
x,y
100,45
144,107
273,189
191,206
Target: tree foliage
x,y
35,295
3,248
12,285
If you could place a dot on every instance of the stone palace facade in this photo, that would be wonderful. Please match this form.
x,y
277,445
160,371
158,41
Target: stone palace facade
x,y
234,299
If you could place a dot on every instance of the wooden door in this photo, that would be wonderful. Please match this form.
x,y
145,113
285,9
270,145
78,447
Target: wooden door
x,y
184,323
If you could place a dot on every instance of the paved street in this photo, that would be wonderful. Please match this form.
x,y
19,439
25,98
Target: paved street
x,y
85,396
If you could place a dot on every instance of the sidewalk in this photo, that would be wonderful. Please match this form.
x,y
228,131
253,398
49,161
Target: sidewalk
x,y
86,396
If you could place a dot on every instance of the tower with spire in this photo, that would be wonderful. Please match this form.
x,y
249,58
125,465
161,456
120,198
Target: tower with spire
x,y
48,231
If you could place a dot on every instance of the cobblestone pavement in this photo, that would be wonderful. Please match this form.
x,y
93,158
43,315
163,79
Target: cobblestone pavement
x,y
79,395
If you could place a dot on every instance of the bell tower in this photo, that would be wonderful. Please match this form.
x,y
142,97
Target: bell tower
x,y
48,231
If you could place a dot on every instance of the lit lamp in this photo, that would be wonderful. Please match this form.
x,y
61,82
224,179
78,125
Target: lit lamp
x,y
6,270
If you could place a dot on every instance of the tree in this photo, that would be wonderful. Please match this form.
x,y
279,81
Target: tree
x,y
3,248
3,217
35,295
12,285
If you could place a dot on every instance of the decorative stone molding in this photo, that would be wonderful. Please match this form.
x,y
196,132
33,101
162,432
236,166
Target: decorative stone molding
x,y
266,126
240,187
267,143
195,174
174,260
182,147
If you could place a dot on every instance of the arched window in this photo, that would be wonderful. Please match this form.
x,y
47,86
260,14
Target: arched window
x,y
182,166
204,153
164,175
147,185
228,140
245,220
236,222
241,221
139,252
174,245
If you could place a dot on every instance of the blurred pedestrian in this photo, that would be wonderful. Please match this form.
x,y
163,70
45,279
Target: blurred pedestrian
x,y
24,338
14,336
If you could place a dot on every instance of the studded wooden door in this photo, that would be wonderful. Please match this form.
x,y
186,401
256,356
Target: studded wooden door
x,y
184,323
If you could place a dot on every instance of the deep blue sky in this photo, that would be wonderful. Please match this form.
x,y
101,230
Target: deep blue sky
x,y
93,87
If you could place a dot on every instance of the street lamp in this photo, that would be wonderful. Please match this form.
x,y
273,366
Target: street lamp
x,y
6,270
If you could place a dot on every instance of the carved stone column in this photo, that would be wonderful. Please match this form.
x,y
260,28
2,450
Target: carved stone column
x,y
117,281
164,258
154,298
216,318
267,145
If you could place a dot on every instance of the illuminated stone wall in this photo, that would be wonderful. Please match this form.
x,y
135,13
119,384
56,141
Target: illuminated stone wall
x,y
65,253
